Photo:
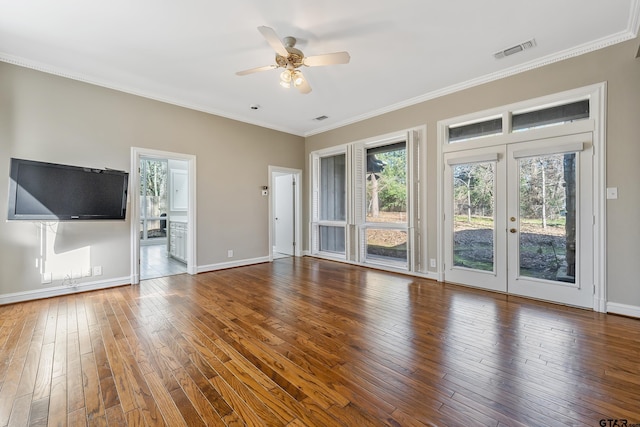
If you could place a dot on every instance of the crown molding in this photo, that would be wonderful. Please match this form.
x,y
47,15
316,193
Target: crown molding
x,y
60,72
629,34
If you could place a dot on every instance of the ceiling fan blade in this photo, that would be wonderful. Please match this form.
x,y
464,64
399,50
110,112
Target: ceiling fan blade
x,y
303,87
327,59
255,70
274,41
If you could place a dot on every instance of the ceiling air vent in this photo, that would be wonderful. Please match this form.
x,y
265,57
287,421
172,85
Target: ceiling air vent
x,y
515,49
321,118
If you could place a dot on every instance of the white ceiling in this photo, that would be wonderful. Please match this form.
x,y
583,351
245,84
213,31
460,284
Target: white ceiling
x,y
402,51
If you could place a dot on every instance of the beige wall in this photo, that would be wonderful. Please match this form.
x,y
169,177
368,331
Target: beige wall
x,y
49,118
618,66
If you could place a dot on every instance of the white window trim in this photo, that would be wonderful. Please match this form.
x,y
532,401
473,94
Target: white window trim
x,y
353,229
314,222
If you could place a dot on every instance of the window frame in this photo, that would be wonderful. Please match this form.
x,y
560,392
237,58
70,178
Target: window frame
x,y
416,200
397,226
316,222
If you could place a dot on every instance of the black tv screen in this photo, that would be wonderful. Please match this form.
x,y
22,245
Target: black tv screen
x,y
52,192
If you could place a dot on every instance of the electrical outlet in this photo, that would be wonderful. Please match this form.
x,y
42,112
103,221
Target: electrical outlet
x,y
47,278
432,263
87,272
230,253
97,270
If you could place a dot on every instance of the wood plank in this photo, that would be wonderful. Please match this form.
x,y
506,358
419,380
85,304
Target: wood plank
x,y
39,412
203,407
58,402
42,386
9,389
310,342
168,408
20,411
77,418
93,403
144,400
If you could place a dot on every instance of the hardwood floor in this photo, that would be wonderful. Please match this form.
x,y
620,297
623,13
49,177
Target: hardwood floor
x,y
310,342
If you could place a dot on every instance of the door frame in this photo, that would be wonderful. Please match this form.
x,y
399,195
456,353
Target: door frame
x,y
595,124
297,206
134,206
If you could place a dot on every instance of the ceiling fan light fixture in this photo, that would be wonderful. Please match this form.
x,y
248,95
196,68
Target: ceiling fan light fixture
x,y
297,78
290,58
285,76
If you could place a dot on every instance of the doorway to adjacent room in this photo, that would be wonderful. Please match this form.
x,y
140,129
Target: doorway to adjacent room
x,y
284,212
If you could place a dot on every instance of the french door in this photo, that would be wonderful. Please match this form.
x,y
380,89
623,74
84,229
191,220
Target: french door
x,y
519,219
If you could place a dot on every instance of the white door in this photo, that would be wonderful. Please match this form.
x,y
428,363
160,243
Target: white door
x,y
284,214
519,219
475,244
551,220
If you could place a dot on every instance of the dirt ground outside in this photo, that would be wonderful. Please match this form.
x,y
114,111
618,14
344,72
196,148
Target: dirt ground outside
x,y
387,238
542,250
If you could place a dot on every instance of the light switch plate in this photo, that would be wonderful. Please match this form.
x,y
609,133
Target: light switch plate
x,y
612,192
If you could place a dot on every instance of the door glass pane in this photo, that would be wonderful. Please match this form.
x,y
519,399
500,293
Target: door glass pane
x,y
153,188
153,198
474,210
331,239
154,230
387,245
547,238
333,188
387,183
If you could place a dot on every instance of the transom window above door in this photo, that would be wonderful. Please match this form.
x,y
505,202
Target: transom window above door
x,y
518,120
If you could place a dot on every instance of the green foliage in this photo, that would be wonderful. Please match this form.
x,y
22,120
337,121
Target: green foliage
x,y
392,182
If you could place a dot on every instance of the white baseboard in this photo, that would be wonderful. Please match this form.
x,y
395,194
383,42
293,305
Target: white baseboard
x,y
623,309
232,264
62,290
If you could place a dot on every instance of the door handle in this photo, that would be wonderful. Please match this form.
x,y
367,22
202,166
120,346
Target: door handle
x,y
513,230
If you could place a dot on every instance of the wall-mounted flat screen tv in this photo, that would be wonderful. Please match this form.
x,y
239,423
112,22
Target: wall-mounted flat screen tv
x,y
40,191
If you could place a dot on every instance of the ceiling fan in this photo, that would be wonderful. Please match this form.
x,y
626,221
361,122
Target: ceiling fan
x,y
291,59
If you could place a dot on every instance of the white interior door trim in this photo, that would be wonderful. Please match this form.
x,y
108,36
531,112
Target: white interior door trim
x,y
297,173
134,207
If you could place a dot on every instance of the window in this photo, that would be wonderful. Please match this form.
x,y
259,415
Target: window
x,y
481,129
364,204
330,208
386,204
511,121
557,115
153,200
332,188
